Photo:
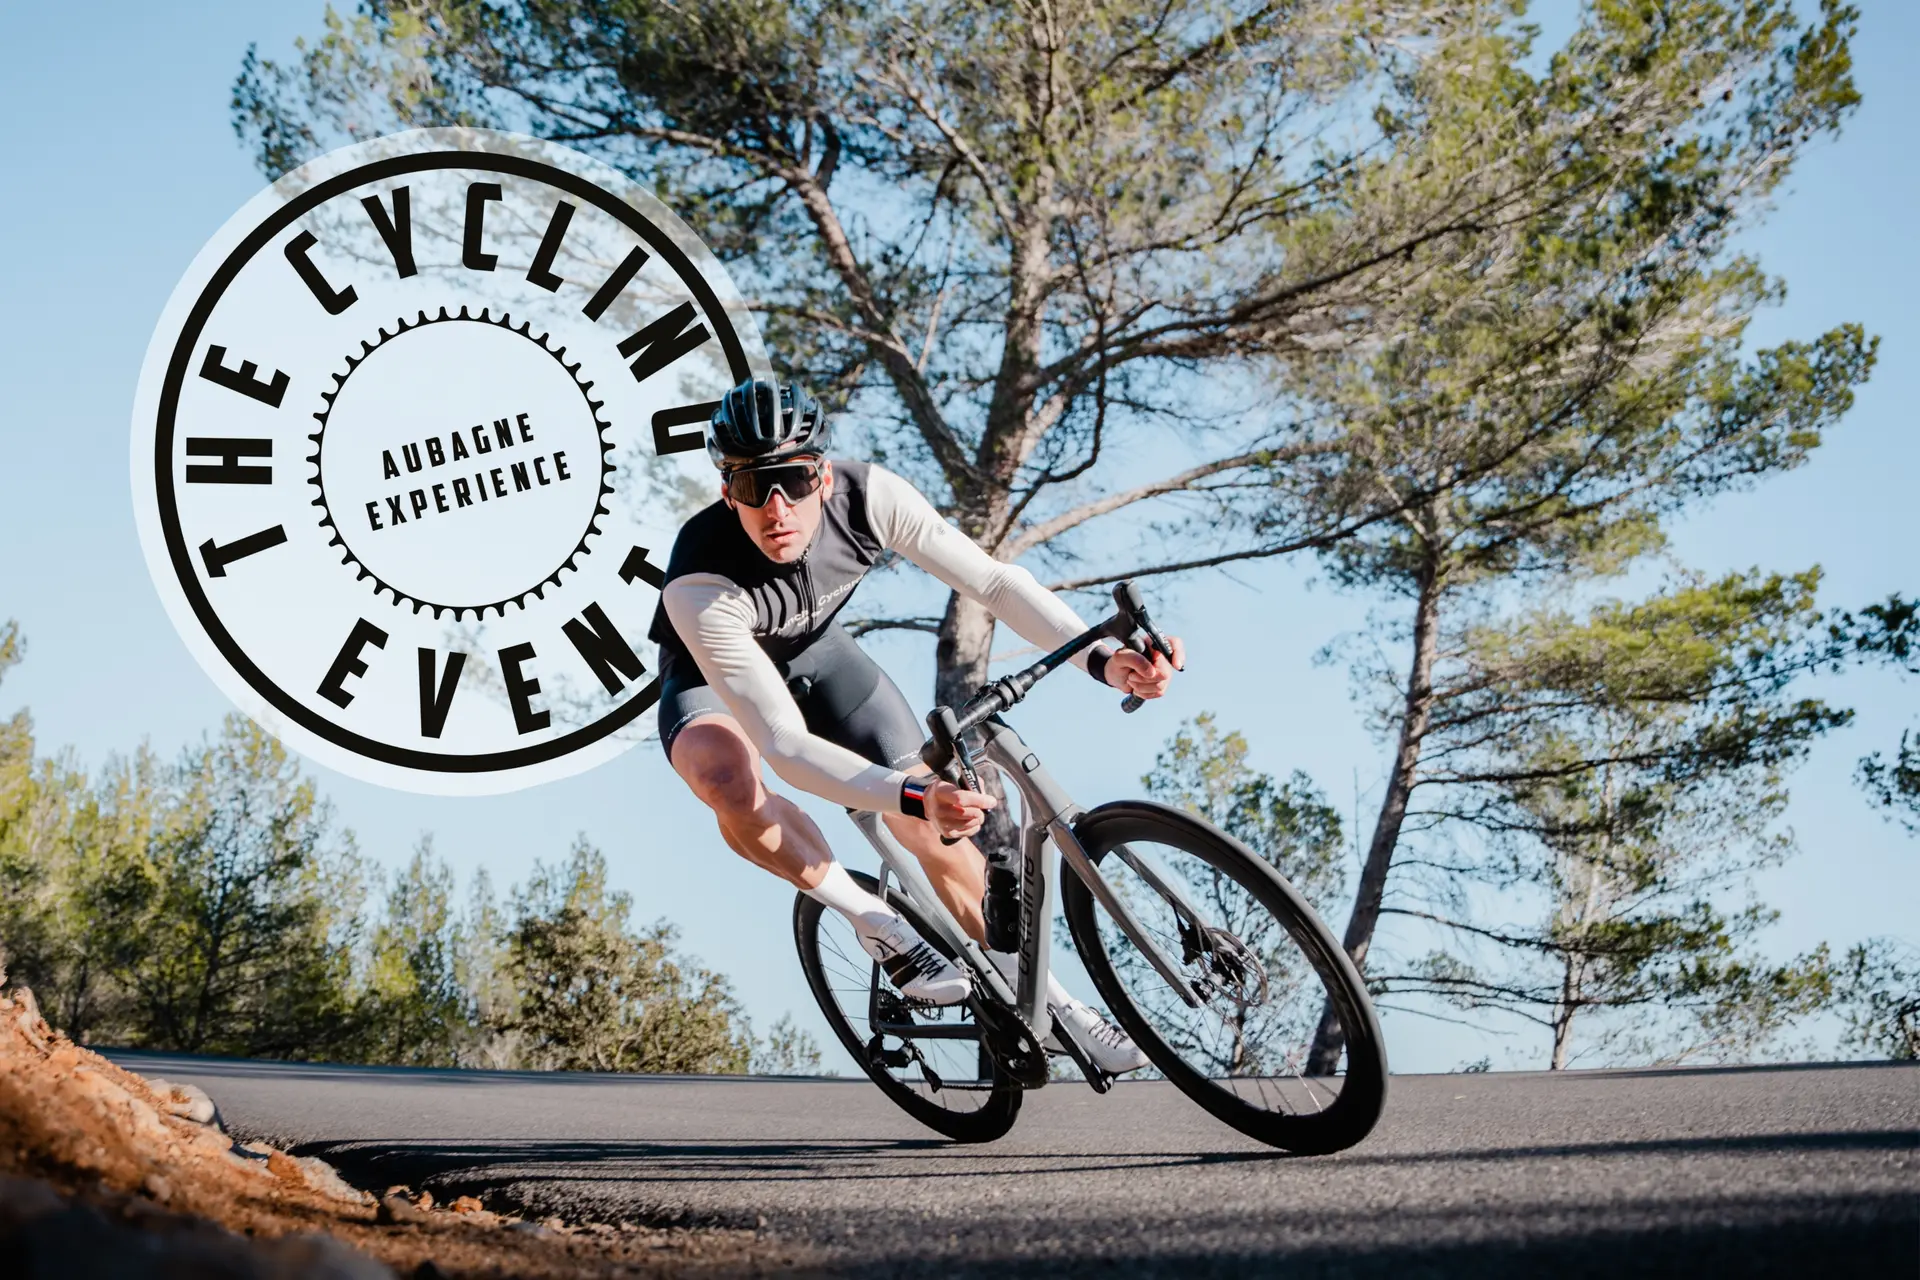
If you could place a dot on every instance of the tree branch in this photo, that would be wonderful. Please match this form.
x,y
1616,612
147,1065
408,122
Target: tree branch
x,y
1047,530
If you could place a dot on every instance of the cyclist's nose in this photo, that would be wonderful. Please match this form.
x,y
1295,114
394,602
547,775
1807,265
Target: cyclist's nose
x,y
781,511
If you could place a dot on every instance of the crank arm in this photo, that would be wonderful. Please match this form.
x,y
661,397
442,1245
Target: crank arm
x,y
1098,1079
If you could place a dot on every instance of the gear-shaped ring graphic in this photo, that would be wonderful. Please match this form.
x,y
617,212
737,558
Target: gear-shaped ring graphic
x,y
505,322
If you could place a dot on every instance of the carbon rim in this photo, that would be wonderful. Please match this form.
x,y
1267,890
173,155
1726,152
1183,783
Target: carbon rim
x,y
950,1085
1264,981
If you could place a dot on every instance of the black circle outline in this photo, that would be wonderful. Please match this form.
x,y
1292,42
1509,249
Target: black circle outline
x,y
217,283
504,321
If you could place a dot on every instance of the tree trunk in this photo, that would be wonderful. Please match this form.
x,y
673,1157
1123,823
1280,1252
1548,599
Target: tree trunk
x,y
960,655
1563,1016
960,658
1329,1038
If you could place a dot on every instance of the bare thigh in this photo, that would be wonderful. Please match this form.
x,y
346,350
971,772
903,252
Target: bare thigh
x,y
717,760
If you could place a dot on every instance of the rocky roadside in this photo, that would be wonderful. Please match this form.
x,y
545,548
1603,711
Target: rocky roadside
x,y
105,1173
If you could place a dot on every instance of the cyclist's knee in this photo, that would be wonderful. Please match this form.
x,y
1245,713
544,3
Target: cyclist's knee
x,y
731,789
721,767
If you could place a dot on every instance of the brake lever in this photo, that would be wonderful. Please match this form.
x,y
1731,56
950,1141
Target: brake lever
x,y
947,755
969,778
1133,609
1155,643
964,758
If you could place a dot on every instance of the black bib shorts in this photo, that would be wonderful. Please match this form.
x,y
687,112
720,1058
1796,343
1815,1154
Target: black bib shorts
x,y
842,693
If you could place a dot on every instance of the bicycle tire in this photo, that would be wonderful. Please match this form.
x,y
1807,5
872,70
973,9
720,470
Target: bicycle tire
x,y
1362,1097
1002,1107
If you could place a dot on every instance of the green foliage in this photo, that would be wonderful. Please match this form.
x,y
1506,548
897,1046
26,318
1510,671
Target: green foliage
x,y
1889,633
1045,253
214,907
231,931
597,996
1880,997
1539,401
787,1051
415,1006
29,814
1008,229
1622,770
1289,823
1686,686
1548,393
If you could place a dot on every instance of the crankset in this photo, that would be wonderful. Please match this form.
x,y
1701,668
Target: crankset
x,y
1011,1043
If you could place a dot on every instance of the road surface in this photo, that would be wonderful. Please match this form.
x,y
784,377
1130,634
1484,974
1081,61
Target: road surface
x,y
1793,1171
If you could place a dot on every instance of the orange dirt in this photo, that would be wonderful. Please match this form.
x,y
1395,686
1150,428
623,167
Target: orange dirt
x,y
92,1157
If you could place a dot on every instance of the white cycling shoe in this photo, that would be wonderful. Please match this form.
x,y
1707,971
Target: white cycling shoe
x,y
1112,1050
920,972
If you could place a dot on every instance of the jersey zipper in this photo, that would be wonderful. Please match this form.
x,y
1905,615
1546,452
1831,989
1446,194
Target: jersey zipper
x,y
809,601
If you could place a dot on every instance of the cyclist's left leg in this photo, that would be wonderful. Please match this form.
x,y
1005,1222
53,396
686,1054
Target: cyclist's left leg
x,y
957,871
847,699
709,750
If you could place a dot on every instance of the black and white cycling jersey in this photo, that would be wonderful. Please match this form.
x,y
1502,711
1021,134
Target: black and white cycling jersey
x,y
739,616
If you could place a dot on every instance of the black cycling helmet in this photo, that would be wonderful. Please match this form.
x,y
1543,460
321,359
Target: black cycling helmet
x,y
758,422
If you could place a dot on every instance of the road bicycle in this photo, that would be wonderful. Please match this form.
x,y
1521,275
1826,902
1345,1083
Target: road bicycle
x,y
1202,951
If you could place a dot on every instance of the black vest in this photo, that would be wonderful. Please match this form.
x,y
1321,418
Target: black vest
x,y
792,603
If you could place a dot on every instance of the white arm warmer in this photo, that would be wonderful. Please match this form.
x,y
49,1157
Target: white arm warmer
x,y
906,522
714,619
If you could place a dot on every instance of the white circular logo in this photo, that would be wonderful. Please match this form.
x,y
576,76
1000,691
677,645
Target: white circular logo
x,y
402,453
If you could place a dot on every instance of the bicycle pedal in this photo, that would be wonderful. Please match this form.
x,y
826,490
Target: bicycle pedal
x,y
881,1056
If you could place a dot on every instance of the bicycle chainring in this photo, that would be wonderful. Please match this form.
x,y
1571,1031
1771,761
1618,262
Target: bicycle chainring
x,y
1011,1043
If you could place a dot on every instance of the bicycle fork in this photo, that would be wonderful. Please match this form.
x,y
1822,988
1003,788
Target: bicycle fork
x,y
1013,1018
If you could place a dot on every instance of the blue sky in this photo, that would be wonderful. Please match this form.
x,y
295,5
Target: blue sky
x,y
124,163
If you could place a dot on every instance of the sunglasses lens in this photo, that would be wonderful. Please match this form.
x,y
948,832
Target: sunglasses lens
x,y
754,486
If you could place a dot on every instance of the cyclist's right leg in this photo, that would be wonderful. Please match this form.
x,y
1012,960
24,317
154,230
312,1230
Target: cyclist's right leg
x,y
716,759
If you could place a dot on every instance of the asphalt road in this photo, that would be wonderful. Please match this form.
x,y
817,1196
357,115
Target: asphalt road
x,y
1801,1171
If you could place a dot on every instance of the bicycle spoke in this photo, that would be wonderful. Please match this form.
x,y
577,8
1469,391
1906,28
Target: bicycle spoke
x,y
1261,997
850,977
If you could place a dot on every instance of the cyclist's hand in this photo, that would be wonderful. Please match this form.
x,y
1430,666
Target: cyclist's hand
x,y
955,811
1132,673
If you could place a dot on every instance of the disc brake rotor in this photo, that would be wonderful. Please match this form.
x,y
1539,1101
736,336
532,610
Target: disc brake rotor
x,y
1227,968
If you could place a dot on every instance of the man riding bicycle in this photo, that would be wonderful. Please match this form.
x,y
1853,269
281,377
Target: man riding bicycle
x,y
754,665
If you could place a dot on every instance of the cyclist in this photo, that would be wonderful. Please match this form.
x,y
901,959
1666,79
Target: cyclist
x,y
754,666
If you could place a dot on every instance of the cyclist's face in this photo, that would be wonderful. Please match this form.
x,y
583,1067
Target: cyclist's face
x,y
784,530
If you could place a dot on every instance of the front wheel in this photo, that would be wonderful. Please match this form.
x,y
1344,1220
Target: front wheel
x,y
1261,960
939,1073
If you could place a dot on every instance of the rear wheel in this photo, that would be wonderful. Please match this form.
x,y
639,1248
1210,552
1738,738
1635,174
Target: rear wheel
x,y
1264,967
944,1080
